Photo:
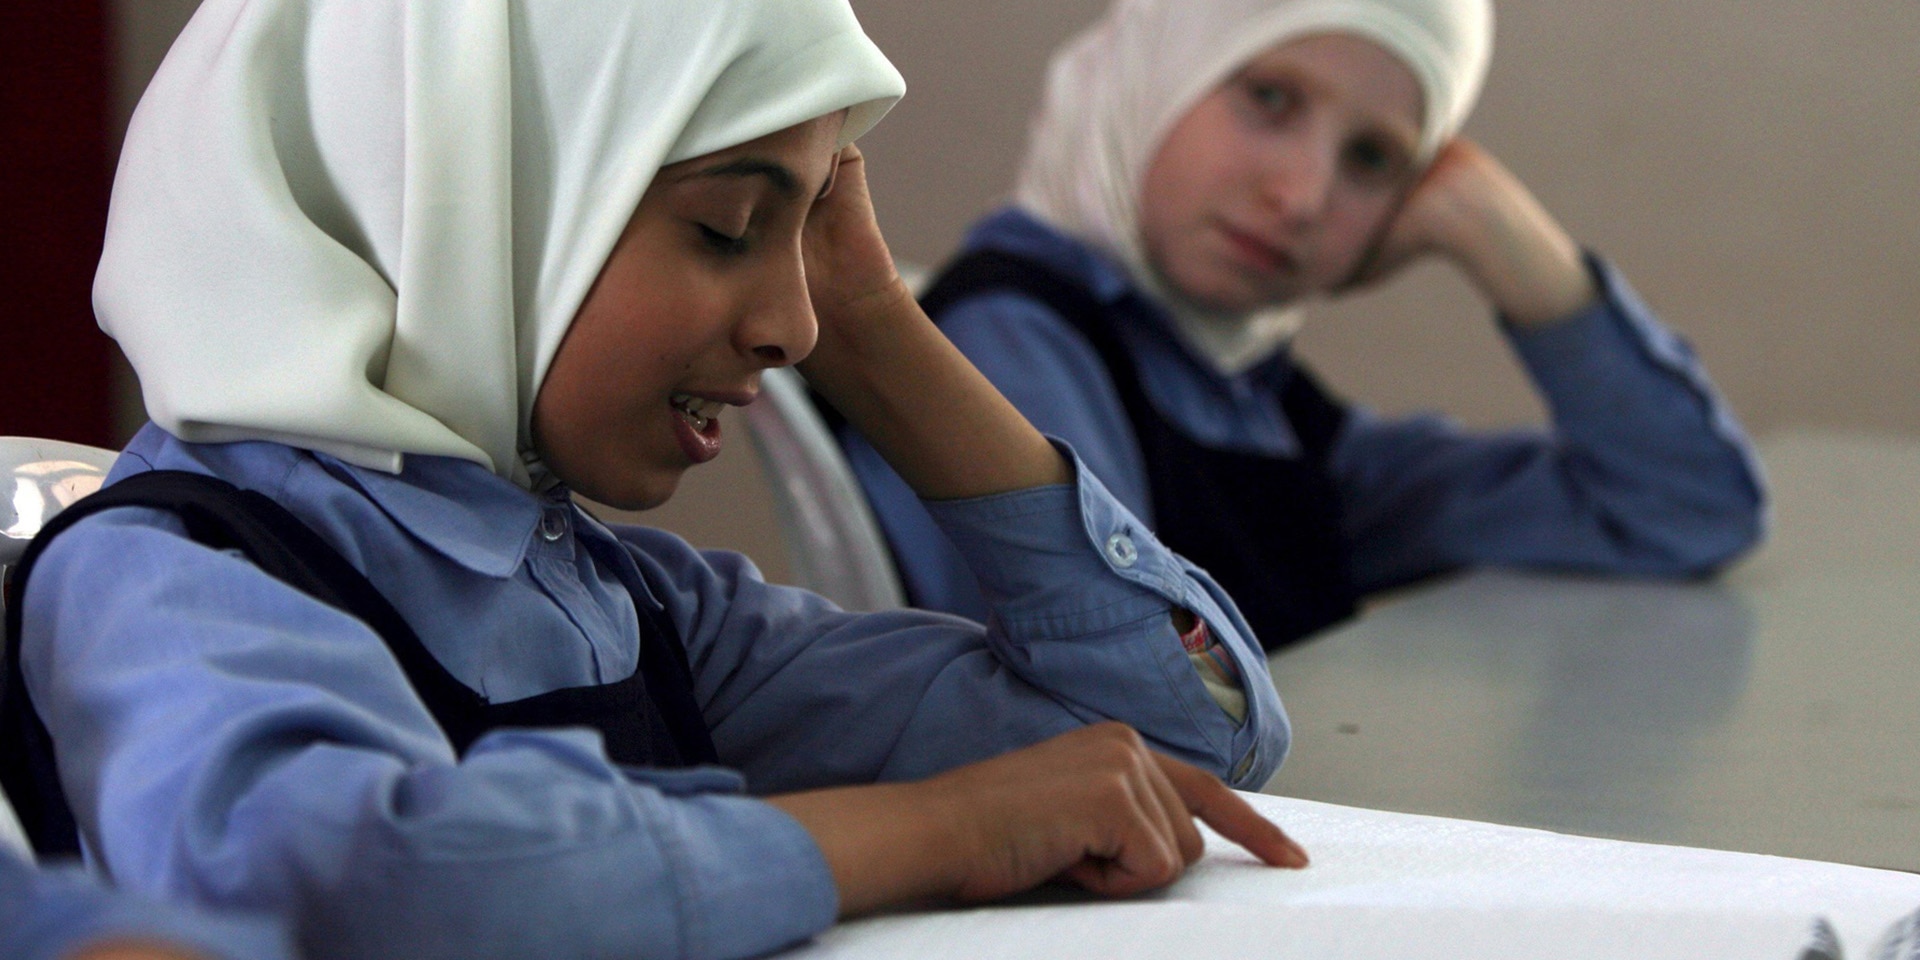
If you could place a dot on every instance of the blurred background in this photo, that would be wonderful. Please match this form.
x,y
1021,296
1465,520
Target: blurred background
x,y
1754,168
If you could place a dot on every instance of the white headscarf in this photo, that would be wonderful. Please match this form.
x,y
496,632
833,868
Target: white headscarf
x,y
363,226
1115,90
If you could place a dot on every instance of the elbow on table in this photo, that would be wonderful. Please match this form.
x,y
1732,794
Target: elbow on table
x,y
1698,546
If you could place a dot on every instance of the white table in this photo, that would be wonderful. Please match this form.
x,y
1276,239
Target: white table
x,y
1776,710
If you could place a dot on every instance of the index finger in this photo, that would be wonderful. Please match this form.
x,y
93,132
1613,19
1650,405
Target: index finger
x,y
1233,818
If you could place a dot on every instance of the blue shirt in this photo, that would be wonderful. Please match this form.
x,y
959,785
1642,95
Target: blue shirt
x,y
226,739
1644,471
53,913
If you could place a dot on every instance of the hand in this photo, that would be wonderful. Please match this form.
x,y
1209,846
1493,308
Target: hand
x,y
1098,808
134,950
894,375
851,276
1469,208
1093,806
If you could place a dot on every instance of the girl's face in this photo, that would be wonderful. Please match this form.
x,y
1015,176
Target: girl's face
x,y
703,291
1275,185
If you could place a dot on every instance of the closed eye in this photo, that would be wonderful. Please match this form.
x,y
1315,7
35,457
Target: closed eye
x,y
722,243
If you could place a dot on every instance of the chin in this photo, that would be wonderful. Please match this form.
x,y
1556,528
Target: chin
x,y
1212,286
648,497
1224,294
629,493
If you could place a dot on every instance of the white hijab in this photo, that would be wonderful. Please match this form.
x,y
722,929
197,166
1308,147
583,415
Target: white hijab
x,y
1115,90
363,226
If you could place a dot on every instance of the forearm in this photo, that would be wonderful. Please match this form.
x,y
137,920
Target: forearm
x,y
135,950
1088,606
885,844
1644,471
62,912
471,860
1637,419
339,804
1521,259
892,373
1472,210
1615,378
923,406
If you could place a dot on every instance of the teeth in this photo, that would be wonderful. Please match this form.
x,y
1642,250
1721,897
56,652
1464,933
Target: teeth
x,y
697,411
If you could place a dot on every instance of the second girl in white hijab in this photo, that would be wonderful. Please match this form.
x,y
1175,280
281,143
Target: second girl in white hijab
x,y
416,273
1199,170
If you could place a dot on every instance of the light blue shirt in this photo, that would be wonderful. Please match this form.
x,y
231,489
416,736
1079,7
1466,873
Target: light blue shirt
x,y
226,739
1644,471
51,913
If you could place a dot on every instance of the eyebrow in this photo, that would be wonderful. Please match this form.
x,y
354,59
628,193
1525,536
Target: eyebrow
x,y
783,179
1405,137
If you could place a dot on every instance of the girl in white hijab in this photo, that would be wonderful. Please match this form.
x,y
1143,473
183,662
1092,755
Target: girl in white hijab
x,y
1199,170
416,272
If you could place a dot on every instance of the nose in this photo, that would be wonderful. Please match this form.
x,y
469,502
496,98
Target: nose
x,y
1298,179
779,329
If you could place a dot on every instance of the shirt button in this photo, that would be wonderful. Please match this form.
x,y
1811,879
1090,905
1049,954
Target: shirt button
x,y
553,526
1121,551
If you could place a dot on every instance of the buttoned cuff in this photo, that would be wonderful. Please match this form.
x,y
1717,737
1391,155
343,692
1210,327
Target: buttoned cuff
x,y
1578,362
1063,560
1070,563
1581,351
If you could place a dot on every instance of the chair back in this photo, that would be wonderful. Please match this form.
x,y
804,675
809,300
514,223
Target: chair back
x,y
41,478
831,536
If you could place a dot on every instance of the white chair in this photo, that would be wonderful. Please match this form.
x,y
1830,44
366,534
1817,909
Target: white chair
x,y
832,539
42,477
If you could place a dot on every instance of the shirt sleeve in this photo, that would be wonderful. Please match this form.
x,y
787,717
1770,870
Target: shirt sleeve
x,y
265,751
1644,472
1079,630
1054,378
53,913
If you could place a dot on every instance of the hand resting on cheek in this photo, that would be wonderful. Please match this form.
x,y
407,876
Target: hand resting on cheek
x,y
1472,211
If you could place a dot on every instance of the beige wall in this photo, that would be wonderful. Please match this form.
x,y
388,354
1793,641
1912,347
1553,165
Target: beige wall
x,y
1754,167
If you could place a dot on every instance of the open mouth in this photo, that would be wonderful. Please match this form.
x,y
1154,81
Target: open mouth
x,y
698,413
696,425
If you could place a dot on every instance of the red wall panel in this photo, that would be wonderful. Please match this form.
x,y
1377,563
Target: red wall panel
x,y
55,364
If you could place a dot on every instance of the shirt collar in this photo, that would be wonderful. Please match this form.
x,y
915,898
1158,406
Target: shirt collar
x,y
461,510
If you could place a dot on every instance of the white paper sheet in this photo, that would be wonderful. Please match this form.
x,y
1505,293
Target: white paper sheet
x,y
1402,887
